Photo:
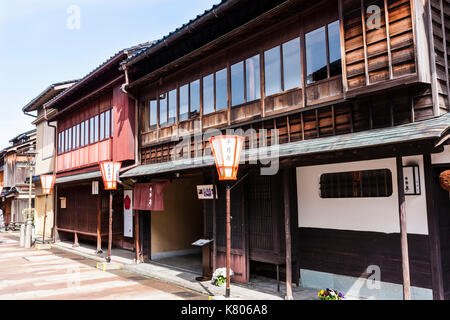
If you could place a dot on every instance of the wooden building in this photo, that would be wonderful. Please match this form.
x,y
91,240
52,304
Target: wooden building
x,y
16,172
353,95
45,148
95,122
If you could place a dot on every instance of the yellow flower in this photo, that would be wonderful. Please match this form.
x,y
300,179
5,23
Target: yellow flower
x,y
321,292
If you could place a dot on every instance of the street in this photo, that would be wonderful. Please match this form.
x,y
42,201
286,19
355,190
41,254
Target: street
x,y
30,274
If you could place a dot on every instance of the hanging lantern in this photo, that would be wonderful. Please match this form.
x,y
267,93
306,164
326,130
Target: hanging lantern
x,y
47,182
227,152
110,174
444,180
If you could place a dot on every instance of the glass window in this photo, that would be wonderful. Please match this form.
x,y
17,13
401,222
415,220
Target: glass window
x,y
194,88
82,134
172,106
153,113
86,132
102,126
60,142
96,128
292,70
78,136
356,184
208,94
107,124
252,78
69,139
112,123
334,43
272,69
221,90
237,83
91,130
184,102
316,55
163,109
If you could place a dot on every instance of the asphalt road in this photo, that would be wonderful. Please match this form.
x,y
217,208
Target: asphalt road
x,y
30,274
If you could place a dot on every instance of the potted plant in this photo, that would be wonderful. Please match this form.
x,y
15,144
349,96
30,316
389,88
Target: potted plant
x,y
330,294
219,277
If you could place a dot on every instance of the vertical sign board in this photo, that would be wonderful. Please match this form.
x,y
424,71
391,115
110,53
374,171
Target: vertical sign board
x,y
411,179
128,213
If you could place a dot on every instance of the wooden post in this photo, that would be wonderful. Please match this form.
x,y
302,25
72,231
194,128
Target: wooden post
x,y
99,223
136,236
403,231
108,258
433,232
228,231
55,213
75,241
287,228
45,218
214,222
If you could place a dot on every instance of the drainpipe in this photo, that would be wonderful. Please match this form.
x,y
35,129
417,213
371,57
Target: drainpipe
x,y
55,159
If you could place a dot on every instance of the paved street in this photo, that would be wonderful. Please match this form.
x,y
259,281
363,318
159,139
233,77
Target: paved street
x,y
54,274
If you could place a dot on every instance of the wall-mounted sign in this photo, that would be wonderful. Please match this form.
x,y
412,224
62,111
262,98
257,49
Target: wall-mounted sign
x,y
128,213
411,180
63,202
202,242
206,192
94,187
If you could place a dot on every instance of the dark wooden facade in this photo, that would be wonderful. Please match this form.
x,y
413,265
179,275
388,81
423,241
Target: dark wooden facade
x,y
389,77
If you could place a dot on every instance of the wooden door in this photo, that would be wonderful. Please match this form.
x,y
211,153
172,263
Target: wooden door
x,y
145,234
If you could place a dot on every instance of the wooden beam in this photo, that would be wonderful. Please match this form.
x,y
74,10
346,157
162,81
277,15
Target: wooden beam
x,y
287,228
403,231
444,44
137,245
388,39
433,231
342,39
434,81
366,61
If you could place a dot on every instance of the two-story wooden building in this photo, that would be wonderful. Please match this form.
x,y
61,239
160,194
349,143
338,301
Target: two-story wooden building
x,y
95,122
348,97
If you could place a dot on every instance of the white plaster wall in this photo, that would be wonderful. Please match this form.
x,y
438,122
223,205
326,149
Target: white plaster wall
x,y
442,157
359,214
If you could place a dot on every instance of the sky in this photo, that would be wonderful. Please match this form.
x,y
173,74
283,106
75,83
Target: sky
x,y
49,41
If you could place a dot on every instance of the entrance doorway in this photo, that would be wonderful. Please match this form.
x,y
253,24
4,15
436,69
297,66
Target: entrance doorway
x,y
145,235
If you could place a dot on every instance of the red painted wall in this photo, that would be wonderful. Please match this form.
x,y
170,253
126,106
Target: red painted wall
x,y
124,126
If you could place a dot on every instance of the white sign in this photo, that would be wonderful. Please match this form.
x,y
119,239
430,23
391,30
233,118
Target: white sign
x,y
128,213
94,187
206,192
202,242
411,180
63,202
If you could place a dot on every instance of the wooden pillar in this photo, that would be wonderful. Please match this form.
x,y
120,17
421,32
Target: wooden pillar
x,y
75,241
287,228
136,236
55,213
108,259
214,223
99,223
403,231
433,232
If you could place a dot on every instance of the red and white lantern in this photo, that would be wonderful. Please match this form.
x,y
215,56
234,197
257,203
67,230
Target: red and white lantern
x,y
227,152
47,182
110,174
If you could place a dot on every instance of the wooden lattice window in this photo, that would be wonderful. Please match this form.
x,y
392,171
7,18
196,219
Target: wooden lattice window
x,y
356,184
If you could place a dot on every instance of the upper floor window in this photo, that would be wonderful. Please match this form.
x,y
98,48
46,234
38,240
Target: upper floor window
x,y
245,81
172,112
163,110
208,94
323,54
221,89
184,102
282,67
153,114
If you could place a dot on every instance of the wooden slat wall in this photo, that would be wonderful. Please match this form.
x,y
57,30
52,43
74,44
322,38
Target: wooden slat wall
x,y
374,55
440,26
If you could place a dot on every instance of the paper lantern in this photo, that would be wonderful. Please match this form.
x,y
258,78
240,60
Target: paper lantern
x,y
110,174
227,152
47,182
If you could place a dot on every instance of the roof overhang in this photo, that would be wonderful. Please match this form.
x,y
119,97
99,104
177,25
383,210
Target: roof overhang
x,y
79,177
431,130
50,92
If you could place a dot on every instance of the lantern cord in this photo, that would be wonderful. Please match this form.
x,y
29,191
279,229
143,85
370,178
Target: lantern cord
x,y
239,181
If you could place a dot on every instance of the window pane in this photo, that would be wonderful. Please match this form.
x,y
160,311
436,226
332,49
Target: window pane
x,y
69,139
292,69
91,131
107,124
78,136
221,89
252,78
272,69
195,98
102,126
112,123
316,55
237,84
96,128
172,106
153,113
82,134
208,94
86,132
184,102
334,42
59,142
163,109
